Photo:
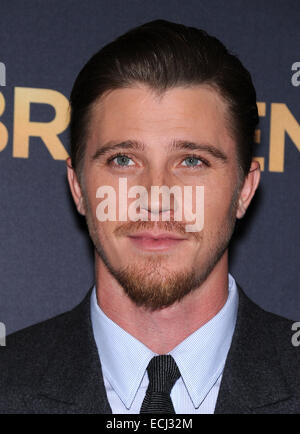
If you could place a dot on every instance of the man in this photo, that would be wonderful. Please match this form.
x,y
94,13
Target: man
x,y
166,329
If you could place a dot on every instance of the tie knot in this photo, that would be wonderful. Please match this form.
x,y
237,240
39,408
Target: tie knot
x,y
163,373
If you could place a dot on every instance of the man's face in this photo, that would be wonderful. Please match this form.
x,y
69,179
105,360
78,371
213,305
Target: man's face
x,y
180,138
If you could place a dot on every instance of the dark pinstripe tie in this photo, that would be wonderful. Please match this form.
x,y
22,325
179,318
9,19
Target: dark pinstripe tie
x,y
163,373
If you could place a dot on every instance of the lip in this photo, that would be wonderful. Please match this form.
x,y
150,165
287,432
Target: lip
x,y
154,241
157,235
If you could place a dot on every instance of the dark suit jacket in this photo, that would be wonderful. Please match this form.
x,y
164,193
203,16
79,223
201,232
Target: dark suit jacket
x,y
54,367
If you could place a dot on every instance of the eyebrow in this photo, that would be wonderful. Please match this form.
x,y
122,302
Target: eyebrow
x,y
206,147
112,146
175,145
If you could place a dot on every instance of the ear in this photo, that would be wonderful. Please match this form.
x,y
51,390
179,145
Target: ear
x,y
75,187
249,187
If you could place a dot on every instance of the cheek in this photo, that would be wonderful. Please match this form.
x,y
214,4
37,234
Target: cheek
x,y
217,204
106,238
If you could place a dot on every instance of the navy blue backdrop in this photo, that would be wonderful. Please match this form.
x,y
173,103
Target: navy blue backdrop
x,y
46,260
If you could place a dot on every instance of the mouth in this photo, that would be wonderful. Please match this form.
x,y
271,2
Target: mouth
x,y
152,241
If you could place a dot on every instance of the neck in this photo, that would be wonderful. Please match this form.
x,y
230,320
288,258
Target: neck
x,y
164,329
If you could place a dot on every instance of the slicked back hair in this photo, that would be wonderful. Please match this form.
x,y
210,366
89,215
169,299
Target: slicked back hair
x,y
164,55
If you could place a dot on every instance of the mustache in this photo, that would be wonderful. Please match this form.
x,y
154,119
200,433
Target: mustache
x,y
130,228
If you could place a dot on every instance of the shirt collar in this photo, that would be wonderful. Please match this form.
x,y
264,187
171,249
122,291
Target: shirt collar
x,y
200,357
124,359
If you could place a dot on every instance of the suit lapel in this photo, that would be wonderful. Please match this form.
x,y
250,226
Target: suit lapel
x,y
73,381
252,377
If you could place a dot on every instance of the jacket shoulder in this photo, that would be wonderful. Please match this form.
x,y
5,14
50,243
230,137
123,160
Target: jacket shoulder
x,y
28,348
36,337
273,336
265,324
28,352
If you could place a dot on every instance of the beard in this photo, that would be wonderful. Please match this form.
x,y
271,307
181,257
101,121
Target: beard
x,y
152,285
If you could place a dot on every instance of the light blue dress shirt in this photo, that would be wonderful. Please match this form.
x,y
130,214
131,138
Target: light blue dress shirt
x,y
200,358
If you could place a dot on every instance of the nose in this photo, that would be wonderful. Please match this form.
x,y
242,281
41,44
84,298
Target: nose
x,y
159,203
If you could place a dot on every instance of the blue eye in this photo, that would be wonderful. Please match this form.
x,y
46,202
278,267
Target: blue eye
x,y
123,161
192,162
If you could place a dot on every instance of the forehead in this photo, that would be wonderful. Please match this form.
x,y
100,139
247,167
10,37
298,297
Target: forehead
x,y
196,113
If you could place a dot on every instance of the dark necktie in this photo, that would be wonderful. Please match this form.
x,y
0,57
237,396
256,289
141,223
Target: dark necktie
x,y
163,373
